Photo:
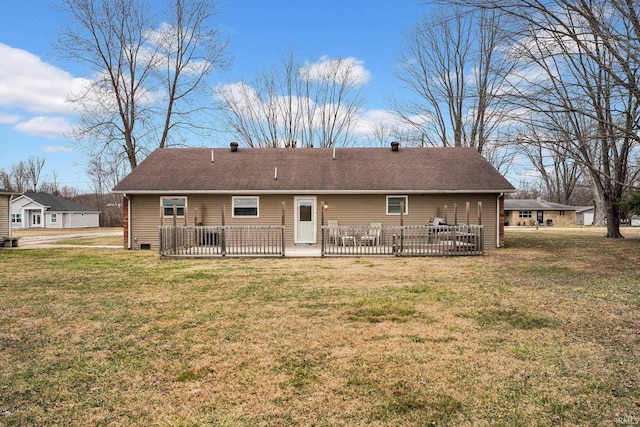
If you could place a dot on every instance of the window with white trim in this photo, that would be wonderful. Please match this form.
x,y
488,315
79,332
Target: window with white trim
x,y
16,218
246,207
524,214
54,218
394,203
168,203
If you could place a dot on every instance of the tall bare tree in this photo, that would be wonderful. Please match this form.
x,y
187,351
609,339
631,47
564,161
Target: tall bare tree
x,y
105,174
33,169
559,173
18,177
580,76
5,180
24,175
146,67
453,65
295,105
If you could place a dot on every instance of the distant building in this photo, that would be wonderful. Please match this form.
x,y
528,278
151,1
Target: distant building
x,y
585,215
528,211
44,210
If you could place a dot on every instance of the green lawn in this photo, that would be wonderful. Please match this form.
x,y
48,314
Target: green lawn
x,y
543,332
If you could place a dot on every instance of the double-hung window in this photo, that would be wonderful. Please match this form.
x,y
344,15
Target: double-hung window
x,y
394,203
168,203
246,207
54,218
16,218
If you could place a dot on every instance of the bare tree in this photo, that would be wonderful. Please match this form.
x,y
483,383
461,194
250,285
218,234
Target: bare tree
x,y
105,174
294,105
5,180
146,69
453,65
559,173
18,176
581,61
33,168
25,175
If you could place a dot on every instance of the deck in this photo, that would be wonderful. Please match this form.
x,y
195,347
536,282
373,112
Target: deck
x,y
354,241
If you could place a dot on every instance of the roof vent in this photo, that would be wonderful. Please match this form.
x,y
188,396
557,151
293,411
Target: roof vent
x,y
234,146
395,146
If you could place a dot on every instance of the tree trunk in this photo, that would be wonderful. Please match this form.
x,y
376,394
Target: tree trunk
x,y
613,220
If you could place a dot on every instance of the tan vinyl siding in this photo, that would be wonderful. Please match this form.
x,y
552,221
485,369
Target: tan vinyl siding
x,y
347,209
4,215
569,218
145,214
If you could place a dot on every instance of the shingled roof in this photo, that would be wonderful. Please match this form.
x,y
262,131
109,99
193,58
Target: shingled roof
x,y
57,204
314,170
536,205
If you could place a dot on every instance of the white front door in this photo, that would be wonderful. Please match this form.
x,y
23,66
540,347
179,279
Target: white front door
x,y
305,220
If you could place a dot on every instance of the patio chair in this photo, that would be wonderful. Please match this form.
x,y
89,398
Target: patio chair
x,y
338,236
372,235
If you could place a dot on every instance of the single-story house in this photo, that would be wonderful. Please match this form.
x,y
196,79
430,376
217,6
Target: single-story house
x,y
528,211
5,218
44,210
354,186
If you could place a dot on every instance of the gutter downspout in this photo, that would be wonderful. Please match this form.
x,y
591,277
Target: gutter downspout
x,y
10,215
498,219
128,199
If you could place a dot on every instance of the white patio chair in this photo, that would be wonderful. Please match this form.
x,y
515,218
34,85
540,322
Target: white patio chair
x,y
372,235
338,236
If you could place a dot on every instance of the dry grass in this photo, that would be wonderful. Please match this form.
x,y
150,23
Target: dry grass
x,y
543,332
93,241
27,232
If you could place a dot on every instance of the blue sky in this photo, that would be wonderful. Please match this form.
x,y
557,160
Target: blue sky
x,y
34,82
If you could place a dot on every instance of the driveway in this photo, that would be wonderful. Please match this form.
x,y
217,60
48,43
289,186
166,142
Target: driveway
x,y
48,238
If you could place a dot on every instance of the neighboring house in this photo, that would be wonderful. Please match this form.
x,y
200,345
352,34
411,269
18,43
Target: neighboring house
x,y
44,210
355,186
5,218
528,211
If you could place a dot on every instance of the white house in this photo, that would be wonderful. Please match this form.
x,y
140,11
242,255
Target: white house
x,y
44,210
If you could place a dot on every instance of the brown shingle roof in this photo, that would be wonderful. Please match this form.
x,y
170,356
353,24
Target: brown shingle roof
x,y
535,205
313,170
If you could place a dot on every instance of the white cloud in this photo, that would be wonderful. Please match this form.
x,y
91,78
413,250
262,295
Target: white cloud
x,y
9,118
242,97
350,70
49,127
28,83
57,149
374,121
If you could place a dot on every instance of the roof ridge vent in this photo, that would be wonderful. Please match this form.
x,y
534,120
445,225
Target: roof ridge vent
x,y
395,146
234,146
